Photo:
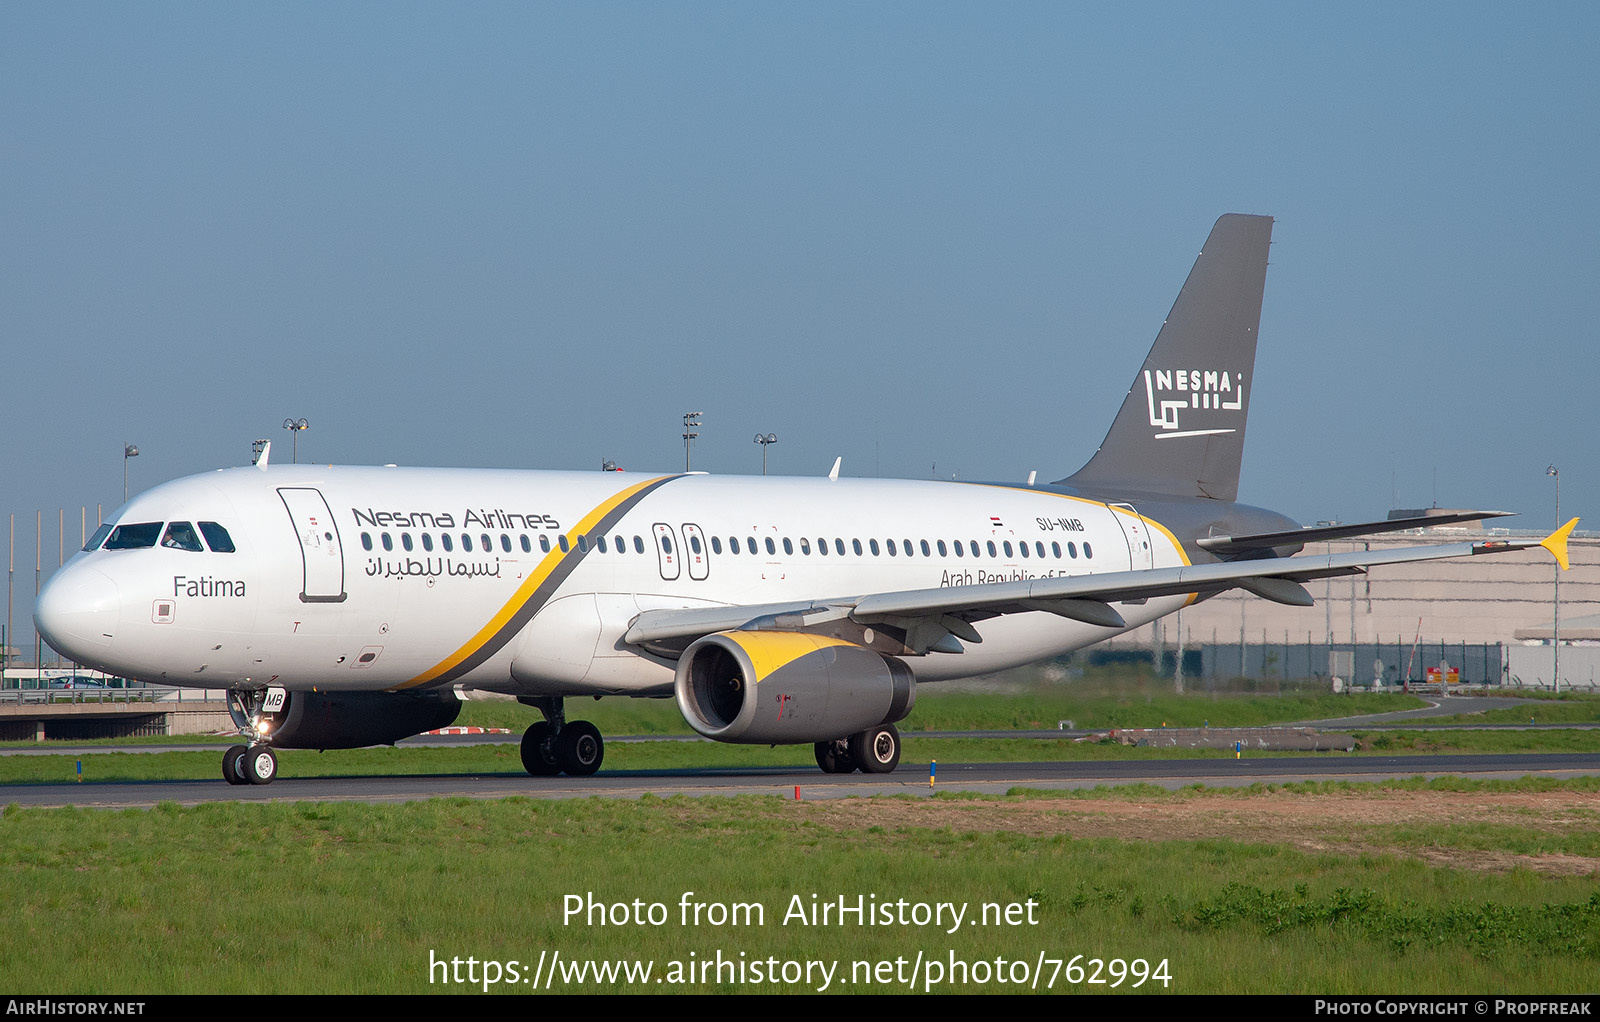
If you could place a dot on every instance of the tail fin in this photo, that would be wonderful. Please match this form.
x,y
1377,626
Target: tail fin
x,y
1181,429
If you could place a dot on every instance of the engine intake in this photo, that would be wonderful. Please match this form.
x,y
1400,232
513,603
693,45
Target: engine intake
x,y
778,688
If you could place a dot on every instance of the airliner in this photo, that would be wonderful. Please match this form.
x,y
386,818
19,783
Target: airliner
x,y
342,607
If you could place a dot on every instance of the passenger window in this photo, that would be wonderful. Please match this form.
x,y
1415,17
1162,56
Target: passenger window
x,y
694,544
544,542
1024,548
622,544
427,541
217,538
838,546
890,544
856,544
1072,551
716,544
822,546
448,543
134,537
638,544
666,544
927,552
1055,548
505,543
600,544
1086,551
873,544
366,541
181,536
788,547
388,544
1039,546
771,547
562,540
992,552
974,548
99,537
466,543
405,541
960,548
583,543
488,544
733,544
1008,548
527,544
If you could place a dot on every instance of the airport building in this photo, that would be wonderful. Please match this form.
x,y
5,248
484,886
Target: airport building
x,y
1491,618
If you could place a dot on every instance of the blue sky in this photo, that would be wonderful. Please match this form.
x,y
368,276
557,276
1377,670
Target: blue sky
x,y
911,234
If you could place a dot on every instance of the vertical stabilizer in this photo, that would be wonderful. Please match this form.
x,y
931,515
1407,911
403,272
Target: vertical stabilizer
x,y
1181,429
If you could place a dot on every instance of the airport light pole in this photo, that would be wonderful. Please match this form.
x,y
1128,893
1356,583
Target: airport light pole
x,y
691,421
128,451
764,439
294,426
1556,638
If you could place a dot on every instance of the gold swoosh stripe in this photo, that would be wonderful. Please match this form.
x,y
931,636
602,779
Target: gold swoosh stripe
x,y
534,591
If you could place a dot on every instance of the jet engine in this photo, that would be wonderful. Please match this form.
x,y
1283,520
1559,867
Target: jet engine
x,y
780,688
351,720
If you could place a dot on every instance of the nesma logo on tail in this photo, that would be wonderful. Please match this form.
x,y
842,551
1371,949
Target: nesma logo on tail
x,y
1206,389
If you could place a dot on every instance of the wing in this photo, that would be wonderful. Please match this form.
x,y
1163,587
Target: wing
x,y
934,618
1232,547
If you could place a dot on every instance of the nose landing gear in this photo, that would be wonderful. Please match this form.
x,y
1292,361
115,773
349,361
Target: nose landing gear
x,y
254,763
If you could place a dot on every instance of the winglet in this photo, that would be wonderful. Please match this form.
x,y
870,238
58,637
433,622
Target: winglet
x,y
1556,543
833,473
266,453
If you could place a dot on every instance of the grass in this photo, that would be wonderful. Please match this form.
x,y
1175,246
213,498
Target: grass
x,y
242,898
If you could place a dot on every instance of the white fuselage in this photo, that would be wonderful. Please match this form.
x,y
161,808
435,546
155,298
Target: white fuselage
x,y
524,582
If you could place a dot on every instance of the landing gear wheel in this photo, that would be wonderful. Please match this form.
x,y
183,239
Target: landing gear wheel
x,y
260,765
834,756
579,748
538,757
232,762
876,750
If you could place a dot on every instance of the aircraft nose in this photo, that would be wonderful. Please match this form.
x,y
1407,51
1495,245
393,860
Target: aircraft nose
x,y
77,612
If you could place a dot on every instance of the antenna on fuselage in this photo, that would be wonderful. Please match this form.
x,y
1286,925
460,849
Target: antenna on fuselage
x,y
833,473
260,451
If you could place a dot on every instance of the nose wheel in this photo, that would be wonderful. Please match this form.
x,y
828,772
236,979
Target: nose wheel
x,y
249,764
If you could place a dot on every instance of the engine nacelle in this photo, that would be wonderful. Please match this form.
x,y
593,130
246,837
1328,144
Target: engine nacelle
x,y
351,720
778,688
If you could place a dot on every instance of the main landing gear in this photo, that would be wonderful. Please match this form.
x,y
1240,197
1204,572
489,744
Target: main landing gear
x,y
873,751
556,745
254,763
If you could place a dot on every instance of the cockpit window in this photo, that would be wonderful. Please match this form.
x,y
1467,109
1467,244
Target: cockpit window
x,y
181,536
217,538
99,537
134,537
